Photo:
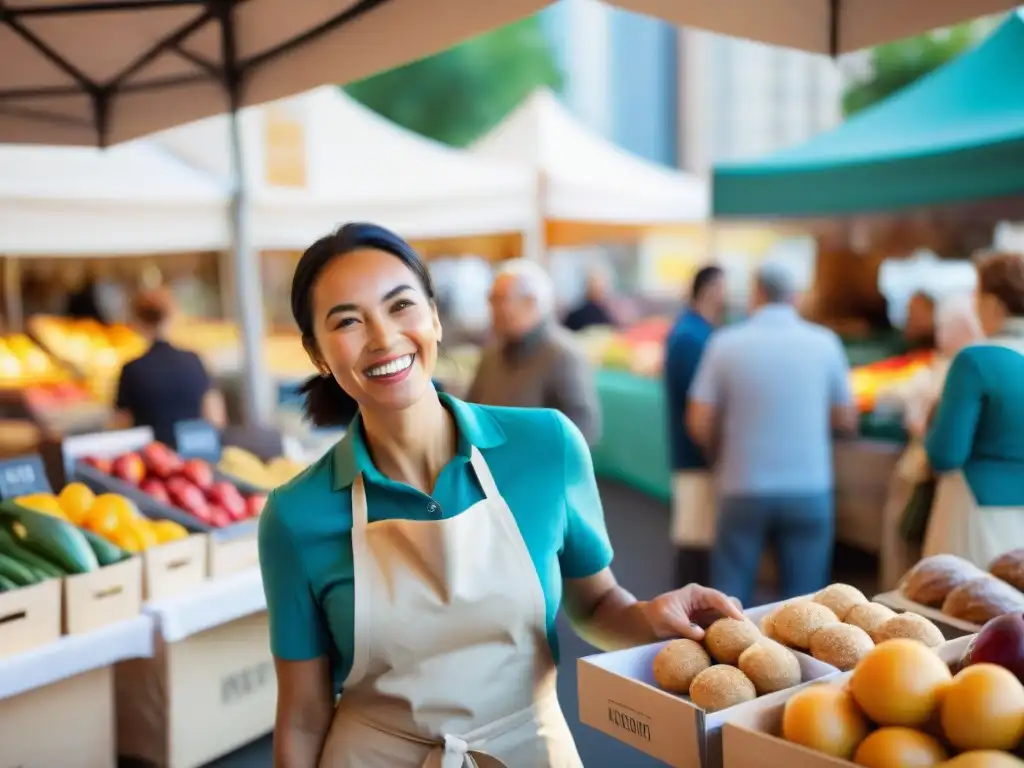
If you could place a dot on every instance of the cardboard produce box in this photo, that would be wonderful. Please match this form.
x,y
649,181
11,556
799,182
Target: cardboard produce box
x,y
752,737
30,617
174,567
618,696
104,596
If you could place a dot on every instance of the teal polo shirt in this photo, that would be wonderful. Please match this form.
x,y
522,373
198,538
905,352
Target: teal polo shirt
x,y
540,463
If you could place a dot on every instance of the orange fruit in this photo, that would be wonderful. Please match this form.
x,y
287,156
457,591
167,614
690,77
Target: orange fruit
x,y
896,747
127,539
168,530
43,503
900,682
984,758
76,500
984,709
144,533
113,504
824,718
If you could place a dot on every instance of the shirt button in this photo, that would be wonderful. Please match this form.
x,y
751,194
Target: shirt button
x,y
433,508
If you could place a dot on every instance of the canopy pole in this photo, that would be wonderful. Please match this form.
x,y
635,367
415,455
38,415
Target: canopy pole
x,y
257,392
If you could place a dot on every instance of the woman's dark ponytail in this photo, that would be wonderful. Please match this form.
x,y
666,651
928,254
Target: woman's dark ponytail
x,y
327,404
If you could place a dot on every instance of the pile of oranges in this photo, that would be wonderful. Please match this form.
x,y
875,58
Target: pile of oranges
x,y
109,515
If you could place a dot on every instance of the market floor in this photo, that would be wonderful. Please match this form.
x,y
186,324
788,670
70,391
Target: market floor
x,y
645,565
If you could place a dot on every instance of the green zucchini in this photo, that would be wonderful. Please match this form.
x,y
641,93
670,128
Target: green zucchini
x,y
40,565
14,571
105,552
6,584
49,537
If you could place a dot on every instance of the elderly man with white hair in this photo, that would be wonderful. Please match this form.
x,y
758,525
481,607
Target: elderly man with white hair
x,y
533,362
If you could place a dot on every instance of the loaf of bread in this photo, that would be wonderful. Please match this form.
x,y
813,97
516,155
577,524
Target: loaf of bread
x,y
1010,568
933,578
981,599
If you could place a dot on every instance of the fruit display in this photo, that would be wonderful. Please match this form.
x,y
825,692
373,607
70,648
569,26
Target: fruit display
x,y
109,515
839,626
902,706
190,485
23,363
35,546
57,396
869,381
239,464
734,664
963,591
1000,642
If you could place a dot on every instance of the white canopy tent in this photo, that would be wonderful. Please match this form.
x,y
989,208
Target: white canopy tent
x,y
355,165
581,177
133,199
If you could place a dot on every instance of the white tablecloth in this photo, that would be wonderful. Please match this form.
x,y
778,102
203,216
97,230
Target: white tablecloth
x,y
74,654
215,603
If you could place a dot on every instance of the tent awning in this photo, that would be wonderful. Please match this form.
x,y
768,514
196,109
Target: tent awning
x,y
349,163
582,177
956,135
134,198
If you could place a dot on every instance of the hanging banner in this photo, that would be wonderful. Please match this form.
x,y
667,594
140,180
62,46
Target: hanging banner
x,y
284,141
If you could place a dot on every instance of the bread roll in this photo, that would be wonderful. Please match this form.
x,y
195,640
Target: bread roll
x,y
869,616
910,626
933,578
720,687
840,599
1010,568
981,599
796,622
677,663
841,645
727,638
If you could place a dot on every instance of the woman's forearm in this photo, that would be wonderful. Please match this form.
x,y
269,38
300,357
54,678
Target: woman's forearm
x,y
616,622
297,748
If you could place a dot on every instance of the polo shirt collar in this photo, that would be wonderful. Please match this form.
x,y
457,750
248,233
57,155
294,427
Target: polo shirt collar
x,y
475,425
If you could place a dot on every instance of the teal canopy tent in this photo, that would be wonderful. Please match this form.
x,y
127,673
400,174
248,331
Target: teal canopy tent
x,y
955,136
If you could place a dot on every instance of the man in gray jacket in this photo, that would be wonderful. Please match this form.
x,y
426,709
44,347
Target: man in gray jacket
x,y
533,362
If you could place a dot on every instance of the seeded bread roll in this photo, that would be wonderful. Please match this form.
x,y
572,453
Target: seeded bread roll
x,y
677,663
1010,568
727,638
934,577
912,627
840,599
981,599
870,617
841,645
720,687
770,666
796,622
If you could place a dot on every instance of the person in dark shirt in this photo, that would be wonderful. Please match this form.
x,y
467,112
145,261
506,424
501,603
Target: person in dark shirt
x,y
594,310
166,385
693,519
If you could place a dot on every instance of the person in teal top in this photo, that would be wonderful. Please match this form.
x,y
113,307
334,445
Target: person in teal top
x,y
413,458
978,426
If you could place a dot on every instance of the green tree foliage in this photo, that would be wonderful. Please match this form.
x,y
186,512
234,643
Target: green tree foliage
x,y
457,95
896,65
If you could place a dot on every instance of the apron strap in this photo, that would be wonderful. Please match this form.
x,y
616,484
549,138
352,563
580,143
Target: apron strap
x,y
483,475
360,582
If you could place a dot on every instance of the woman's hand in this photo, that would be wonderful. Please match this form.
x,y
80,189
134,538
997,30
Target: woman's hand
x,y
685,612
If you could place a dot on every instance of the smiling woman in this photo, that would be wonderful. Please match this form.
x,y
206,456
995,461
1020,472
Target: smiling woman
x,y
419,565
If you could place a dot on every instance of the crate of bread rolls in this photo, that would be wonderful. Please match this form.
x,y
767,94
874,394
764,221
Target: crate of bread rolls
x,y
670,699
957,594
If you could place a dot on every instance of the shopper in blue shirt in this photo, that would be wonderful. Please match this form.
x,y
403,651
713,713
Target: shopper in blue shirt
x,y
693,499
976,441
420,564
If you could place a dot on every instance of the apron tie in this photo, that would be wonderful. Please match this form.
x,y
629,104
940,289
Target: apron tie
x,y
457,753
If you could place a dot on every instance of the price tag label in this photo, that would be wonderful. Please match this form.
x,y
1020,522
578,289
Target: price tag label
x,y
22,476
197,440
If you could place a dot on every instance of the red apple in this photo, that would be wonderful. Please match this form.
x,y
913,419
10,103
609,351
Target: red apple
x,y
220,517
129,468
106,466
188,497
254,504
226,496
1001,642
198,472
156,489
160,460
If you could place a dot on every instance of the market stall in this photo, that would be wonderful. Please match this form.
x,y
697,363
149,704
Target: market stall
x,y
585,189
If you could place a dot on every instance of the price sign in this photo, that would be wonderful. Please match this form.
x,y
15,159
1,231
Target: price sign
x,y
22,476
197,440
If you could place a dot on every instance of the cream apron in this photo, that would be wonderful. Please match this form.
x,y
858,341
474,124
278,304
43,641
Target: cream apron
x,y
960,526
693,509
451,665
